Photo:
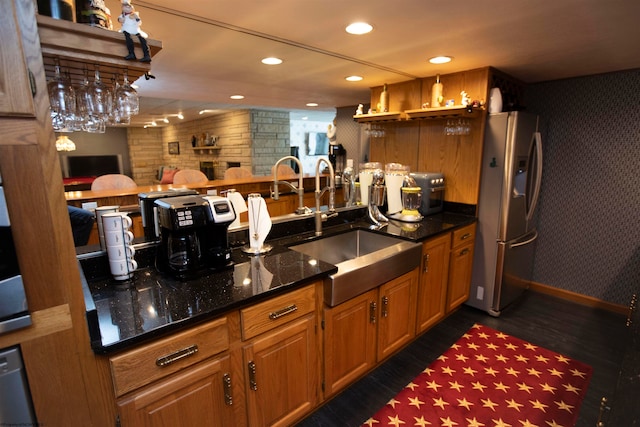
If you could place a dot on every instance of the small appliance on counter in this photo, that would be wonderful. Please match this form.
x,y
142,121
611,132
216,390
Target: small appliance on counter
x,y
337,157
149,211
193,231
432,184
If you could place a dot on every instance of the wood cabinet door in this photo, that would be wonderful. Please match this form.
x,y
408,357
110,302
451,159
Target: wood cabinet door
x,y
350,331
432,288
460,267
15,87
282,375
397,313
195,397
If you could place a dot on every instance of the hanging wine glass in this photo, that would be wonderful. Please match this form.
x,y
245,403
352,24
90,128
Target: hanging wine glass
x,y
127,101
62,100
100,100
84,103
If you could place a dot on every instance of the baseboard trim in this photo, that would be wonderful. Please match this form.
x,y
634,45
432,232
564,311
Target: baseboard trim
x,y
578,298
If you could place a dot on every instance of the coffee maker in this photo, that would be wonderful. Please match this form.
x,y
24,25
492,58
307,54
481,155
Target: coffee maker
x,y
193,231
149,211
337,158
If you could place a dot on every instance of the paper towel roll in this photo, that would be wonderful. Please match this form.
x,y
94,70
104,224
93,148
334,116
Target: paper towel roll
x,y
259,221
239,205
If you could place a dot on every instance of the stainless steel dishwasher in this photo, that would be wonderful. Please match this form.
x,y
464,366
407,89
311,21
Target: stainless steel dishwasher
x,y
15,400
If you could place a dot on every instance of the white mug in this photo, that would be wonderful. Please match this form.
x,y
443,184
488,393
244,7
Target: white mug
x,y
120,252
100,211
116,221
118,238
123,269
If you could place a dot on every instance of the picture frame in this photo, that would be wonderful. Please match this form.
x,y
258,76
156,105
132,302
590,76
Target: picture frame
x,y
174,147
317,143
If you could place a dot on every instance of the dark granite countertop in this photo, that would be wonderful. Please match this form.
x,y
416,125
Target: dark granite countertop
x,y
153,304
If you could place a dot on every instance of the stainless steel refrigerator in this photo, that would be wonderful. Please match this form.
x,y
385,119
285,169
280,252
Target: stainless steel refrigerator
x,y
509,190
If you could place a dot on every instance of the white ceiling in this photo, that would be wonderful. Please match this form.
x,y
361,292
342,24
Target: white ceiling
x,y
212,48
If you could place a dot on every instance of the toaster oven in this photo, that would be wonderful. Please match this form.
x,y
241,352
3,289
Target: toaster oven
x,y
432,185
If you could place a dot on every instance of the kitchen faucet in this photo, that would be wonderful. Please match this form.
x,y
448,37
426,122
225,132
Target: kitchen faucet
x,y
300,190
319,216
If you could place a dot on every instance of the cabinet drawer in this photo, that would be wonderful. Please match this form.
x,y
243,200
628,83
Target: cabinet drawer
x,y
149,363
277,311
463,235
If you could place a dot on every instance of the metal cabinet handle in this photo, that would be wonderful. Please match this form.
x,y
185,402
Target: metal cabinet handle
x,y
604,407
283,312
465,236
425,263
226,387
252,376
176,355
372,312
385,303
464,252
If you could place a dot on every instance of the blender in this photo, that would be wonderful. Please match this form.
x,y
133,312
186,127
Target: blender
x,y
411,196
394,174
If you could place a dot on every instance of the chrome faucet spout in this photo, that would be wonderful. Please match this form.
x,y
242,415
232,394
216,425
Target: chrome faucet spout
x,y
275,195
319,216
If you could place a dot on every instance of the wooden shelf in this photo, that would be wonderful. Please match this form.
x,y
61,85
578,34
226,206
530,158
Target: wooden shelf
x,y
378,117
80,46
442,112
208,150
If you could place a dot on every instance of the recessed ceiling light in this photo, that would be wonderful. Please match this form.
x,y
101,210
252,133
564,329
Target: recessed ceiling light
x,y
359,28
440,59
272,61
353,78
312,104
237,97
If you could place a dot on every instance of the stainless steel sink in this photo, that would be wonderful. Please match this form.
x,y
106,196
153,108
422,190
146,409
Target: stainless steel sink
x,y
364,259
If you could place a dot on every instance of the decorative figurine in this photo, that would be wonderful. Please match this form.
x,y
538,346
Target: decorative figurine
x,y
465,98
130,20
359,110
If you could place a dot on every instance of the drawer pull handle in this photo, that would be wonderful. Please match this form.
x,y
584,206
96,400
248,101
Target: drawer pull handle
x,y
178,355
252,376
226,385
465,236
464,251
283,312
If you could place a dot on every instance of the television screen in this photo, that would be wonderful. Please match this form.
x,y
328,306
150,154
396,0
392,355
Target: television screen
x,y
81,166
318,144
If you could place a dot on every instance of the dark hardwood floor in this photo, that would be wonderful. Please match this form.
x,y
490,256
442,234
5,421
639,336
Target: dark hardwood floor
x,y
593,336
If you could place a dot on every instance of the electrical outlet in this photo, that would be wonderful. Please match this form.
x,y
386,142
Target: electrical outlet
x,y
480,293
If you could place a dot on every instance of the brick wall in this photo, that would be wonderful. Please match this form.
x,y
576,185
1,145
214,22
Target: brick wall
x,y
254,138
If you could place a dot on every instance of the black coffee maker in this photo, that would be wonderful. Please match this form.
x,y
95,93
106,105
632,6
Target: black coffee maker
x,y
193,235
149,211
337,158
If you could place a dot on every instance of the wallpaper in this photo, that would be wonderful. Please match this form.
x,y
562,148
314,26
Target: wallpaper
x,y
589,211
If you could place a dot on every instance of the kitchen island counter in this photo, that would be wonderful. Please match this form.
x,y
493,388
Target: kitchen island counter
x,y
153,304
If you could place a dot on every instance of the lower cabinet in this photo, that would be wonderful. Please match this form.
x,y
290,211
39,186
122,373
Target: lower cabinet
x,y
460,266
196,397
366,329
282,374
434,275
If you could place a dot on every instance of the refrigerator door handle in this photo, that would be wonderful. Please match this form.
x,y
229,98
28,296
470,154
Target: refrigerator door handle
x,y
525,242
536,143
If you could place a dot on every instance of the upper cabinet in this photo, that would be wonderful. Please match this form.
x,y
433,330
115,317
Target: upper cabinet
x,y
16,85
80,46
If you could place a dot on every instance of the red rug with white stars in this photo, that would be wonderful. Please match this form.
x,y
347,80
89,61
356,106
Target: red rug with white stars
x,y
491,379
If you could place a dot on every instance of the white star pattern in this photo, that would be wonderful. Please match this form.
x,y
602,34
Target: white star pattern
x,y
490,379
